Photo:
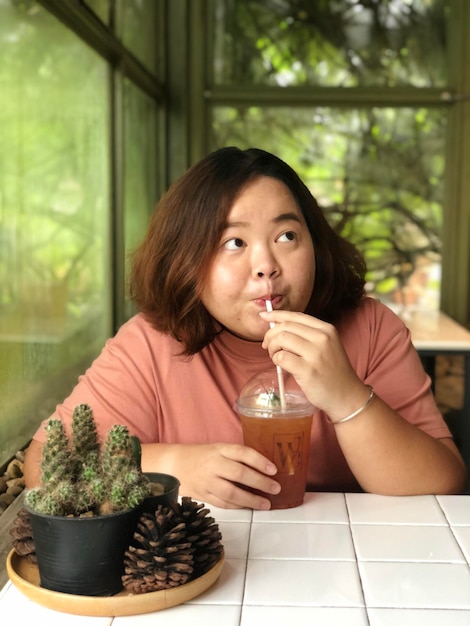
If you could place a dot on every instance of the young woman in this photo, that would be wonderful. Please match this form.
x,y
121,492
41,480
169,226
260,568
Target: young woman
x,y
237,229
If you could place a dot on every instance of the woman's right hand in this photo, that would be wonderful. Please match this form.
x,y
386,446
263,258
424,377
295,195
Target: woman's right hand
x,y
216,473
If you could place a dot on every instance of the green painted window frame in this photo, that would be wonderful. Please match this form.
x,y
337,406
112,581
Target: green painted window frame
x,y
203,95
105,40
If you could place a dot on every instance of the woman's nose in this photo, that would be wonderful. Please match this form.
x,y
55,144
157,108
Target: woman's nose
x,y
265,265
267,275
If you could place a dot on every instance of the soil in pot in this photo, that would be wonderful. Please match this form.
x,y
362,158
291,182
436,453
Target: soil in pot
x,y
164,490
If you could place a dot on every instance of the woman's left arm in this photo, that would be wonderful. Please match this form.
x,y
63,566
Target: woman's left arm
x,y
390,456
386,453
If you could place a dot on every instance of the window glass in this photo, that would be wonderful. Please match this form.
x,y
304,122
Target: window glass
x,y
345,43
140,170
139,25
377,174
102,8
54,215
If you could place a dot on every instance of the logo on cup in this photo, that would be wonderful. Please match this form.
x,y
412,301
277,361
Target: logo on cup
x,y
288,452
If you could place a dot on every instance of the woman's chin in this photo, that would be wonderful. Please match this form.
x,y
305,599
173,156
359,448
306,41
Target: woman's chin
x,y
247,335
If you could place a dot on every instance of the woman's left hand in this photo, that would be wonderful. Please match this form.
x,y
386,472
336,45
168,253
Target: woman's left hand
x,y
312,352
386,453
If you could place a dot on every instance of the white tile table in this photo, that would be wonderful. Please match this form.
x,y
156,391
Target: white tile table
x,y
338,560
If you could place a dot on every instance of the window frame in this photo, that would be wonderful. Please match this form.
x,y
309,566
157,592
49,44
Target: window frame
x,y
80,19
455,286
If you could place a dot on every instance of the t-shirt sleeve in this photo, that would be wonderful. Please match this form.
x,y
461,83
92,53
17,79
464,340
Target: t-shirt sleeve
x,y
118,387
394,369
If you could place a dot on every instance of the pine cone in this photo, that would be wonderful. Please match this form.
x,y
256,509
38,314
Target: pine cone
x,y
22,535
203,533
161,556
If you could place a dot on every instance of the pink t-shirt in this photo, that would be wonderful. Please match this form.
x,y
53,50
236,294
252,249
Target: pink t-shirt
x,y
140,379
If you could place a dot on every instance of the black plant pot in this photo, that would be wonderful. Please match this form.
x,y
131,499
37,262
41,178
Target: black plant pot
x,y
83,555
169,496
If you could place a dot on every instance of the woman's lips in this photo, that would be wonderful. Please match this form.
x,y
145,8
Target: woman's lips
x,y
261,302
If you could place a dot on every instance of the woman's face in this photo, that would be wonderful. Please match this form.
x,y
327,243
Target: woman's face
x,y
265,252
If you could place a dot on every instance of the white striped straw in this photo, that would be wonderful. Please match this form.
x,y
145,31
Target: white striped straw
x,y
280,378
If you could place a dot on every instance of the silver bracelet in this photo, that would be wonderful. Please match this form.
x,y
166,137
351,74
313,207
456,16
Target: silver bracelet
x,y
359,410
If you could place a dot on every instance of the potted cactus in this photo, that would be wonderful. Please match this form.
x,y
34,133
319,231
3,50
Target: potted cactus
x,y
84,513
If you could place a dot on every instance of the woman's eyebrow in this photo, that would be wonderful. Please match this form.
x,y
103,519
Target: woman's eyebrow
x,y
236,224
286,217
283,217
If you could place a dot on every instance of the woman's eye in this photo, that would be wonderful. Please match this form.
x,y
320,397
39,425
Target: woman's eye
x,y
234,244
287,236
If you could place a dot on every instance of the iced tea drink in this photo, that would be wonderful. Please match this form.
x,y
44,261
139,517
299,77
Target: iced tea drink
x,y
280,433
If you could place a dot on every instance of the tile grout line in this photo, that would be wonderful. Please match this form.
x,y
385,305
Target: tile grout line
x,y
357,560
246,569
451,528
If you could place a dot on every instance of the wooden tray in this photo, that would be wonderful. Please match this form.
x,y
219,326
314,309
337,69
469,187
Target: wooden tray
x,y
25,576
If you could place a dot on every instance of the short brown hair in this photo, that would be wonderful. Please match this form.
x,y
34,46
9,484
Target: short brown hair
x,y
170,266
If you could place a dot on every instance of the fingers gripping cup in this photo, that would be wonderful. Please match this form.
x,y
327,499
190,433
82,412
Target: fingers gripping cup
x,y
279,430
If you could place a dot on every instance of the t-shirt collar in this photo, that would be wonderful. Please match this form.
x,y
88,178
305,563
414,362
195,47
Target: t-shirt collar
x,y
240,348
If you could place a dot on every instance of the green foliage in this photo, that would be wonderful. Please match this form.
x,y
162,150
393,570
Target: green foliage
x,y
343,43
53,164
78,476
377,171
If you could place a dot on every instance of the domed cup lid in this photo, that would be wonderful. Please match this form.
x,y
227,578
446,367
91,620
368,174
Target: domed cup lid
x,y
261,397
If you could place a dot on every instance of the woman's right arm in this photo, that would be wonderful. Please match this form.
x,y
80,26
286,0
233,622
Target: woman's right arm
x,y
32,464
219,474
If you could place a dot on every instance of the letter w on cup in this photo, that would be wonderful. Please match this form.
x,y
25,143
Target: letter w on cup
x,y
288,452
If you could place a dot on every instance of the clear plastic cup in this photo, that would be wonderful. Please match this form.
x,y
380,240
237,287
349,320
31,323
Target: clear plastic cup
x,y
280,433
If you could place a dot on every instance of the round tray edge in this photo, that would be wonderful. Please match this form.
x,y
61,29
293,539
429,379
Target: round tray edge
x,y
25,576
